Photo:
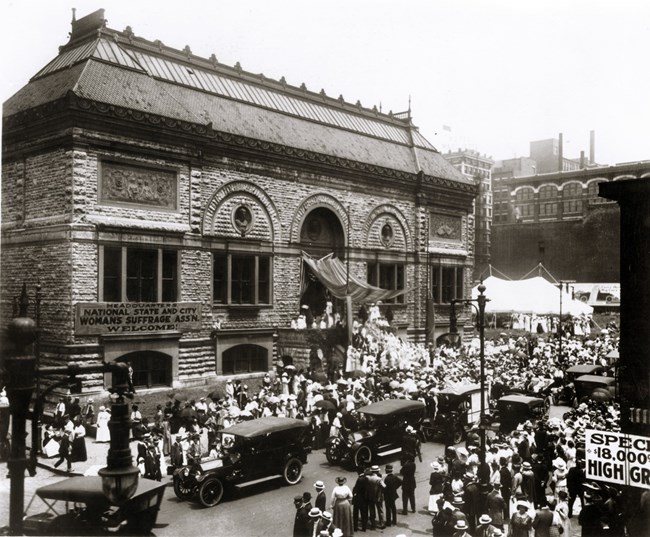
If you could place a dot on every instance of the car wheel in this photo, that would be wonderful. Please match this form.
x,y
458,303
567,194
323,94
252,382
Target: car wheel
x,y
459,434
211,492
363,457
182,491
292,471
428,434
333,452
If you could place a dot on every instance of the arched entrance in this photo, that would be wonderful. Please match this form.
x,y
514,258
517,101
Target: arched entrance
x,y
321,234
150,368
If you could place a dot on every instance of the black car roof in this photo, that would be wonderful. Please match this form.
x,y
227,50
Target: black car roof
x,y
263,426
391,406
596,379
584,368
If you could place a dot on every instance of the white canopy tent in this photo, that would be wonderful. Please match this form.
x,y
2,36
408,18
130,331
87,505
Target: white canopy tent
x,y
533,295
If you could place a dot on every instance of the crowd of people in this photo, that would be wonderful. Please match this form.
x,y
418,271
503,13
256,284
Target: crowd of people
x,y
537,466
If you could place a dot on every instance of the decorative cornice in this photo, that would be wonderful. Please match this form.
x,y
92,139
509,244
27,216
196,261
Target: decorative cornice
x,y
77,104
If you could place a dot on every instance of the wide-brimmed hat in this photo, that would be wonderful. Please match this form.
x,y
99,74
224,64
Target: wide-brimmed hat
x,y
458,500
461,525
522,503
484,519
326,515
526,466
315,512
319,485
375,468
496,532
341,480
436,466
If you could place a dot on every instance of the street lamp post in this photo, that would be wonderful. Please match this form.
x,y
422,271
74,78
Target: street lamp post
x,y
560,331
120,477
479,304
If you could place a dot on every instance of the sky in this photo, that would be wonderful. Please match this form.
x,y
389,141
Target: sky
x,y
487,75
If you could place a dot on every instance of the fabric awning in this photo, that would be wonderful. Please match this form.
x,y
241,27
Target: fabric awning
x,y
333,274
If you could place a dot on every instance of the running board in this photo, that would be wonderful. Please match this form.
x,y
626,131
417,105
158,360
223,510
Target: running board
x,y
389,452
256,481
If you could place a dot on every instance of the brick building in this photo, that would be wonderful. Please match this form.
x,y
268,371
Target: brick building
x,y
559,219
164,202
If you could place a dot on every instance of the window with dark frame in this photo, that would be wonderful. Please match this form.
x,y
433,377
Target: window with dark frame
x,y
388,276
446,283
150,368
241,279
244,359
142,281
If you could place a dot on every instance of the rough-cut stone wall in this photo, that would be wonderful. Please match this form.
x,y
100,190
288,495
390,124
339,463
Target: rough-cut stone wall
x,y
64,188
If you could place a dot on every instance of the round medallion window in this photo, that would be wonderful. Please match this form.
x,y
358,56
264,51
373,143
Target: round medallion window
x,y
387,235
243,219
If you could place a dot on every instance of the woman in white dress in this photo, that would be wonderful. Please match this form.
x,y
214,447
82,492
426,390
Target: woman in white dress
x,y
103,433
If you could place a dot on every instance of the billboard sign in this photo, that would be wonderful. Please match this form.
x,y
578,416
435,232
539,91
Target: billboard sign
x,y
618,458
100,318
598,294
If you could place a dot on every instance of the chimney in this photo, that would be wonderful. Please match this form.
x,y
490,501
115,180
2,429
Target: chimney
x,y
86,26
592,147
560,154
582,160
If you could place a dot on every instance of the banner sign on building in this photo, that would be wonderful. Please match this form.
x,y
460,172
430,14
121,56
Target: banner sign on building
x,y
618,458
598,294
100,318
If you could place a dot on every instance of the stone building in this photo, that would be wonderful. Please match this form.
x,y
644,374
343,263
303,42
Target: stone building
x,y
164,203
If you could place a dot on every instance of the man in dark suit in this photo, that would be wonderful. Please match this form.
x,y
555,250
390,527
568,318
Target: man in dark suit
x,y
391,484
374,496
301,525
543,521
471,495
505,480
321,499
359,500
408,485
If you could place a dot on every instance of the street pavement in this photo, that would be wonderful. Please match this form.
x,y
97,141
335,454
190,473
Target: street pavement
x,y
263,510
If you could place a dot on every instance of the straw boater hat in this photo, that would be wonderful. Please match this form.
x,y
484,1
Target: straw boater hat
x,y
522,503
485,519
526,466
319,485
326,515
375,468
314,513
461,525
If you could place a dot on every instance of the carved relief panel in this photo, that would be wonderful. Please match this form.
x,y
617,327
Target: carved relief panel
x,y
446,228
122,183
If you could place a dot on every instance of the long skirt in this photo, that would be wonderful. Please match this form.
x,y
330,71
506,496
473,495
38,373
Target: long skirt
x,y
342,517
78,453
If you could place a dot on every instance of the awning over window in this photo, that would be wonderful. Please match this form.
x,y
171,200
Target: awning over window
x,y
333,274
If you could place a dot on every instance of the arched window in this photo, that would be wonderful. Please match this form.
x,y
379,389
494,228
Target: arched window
x,y
548,196
525,204
150,368
572,199
245,359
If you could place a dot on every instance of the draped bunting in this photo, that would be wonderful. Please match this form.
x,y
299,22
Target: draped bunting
x,y
333,274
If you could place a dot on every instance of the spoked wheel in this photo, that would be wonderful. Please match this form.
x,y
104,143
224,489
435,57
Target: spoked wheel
x,y
333,452
292,471
458,435
182,491
211,492
363,457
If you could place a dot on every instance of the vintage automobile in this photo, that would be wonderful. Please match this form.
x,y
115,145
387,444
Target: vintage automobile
x,y
459,409
387,421
575,371
78,506
252,452
515,409
587,385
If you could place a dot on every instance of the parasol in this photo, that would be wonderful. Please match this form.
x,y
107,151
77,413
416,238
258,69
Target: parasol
x,y
188,413
290,367
217,393
357,373
319,376
394,384
325,404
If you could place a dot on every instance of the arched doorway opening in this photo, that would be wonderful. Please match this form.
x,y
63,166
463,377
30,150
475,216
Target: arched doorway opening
x,y
150,368
321,234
